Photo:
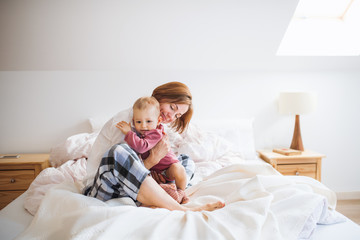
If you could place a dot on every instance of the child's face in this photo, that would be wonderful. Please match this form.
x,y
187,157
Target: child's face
x,y
145,119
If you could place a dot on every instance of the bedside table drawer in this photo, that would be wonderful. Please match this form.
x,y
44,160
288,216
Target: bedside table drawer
x,y
298,169
16,180
17,174
7,196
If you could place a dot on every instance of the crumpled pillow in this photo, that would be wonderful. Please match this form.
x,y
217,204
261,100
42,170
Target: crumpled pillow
x,y
201,145
75,147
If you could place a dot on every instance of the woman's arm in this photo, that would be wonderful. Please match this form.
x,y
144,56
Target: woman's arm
x,y
157,153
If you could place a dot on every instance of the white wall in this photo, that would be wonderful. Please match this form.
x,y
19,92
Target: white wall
x,y
40,109
64,61
125,34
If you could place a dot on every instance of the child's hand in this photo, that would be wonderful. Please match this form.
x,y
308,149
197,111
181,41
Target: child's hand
x,y
124,127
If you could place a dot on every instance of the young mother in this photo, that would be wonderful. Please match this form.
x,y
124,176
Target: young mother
x,y
114,170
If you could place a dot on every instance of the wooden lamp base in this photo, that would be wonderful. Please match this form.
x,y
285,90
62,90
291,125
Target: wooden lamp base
x,y
297,143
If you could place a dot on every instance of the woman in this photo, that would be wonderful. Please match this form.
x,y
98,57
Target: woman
x,y
120,173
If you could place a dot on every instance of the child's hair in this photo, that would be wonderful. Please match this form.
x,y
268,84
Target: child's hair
x,y
145,102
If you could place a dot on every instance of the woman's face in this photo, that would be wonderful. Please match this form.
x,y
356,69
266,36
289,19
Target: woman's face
x,y
171,111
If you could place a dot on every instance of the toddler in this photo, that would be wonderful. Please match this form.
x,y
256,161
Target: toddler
x,y
147,132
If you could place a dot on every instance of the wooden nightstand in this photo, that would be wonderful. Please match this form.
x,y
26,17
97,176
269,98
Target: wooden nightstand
x,y
308,163
16,174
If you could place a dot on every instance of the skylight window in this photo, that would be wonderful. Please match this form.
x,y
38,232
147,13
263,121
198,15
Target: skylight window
x,y
323,28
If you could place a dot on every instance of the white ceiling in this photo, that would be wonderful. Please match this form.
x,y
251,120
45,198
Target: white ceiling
x,y
171,35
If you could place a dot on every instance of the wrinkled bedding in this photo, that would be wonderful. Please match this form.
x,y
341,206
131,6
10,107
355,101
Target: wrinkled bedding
x,y
72,171
260,202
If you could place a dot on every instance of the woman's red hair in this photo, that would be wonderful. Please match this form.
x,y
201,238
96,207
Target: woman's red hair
x,y
176,92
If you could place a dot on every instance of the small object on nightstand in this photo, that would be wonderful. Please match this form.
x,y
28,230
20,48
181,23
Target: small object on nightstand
x,y
10,156
287,151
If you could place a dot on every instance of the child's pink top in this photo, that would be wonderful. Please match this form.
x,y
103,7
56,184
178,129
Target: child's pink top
x,y
146,142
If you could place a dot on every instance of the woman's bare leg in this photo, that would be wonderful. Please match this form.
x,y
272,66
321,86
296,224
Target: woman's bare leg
x,y
151,194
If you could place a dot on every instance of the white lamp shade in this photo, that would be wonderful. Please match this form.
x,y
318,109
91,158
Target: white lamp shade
x,y
297,103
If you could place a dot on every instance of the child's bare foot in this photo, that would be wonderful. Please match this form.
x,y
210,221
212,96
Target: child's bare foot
x,y
178,194
185,199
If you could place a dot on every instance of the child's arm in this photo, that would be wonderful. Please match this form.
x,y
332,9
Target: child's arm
x,y
144,144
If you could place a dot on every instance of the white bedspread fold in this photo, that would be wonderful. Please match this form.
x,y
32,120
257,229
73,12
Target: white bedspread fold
x,y
260,204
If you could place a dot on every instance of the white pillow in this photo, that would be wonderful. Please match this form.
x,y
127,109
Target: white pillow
x,y
237,131
74,147
202,146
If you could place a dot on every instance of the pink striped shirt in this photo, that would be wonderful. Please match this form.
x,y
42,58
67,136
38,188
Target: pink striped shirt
x,y
143,144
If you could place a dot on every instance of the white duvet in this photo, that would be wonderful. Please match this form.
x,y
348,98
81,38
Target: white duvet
x,y
260,203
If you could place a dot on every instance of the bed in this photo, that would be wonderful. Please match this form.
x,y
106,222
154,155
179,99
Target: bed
x,y
260,202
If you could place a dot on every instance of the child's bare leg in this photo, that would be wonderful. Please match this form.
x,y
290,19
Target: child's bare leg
x,y
151,194
177,171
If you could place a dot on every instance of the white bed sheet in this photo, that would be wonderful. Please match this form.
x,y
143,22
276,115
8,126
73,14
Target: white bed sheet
x,y
14,219
347,230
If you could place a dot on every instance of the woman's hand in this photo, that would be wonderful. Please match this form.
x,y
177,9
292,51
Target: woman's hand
x,y
124,127
158,177
157,153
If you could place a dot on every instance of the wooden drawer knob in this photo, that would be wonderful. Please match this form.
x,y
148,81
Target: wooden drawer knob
x,y
12,180
297,173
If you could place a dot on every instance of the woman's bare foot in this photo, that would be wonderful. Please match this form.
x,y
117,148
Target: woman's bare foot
x,y
151,194
208,207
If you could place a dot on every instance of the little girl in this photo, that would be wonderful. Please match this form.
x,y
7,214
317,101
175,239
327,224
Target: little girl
x,y
147,133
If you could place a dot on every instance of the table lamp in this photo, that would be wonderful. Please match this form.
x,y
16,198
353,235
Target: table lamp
x,y
297,103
